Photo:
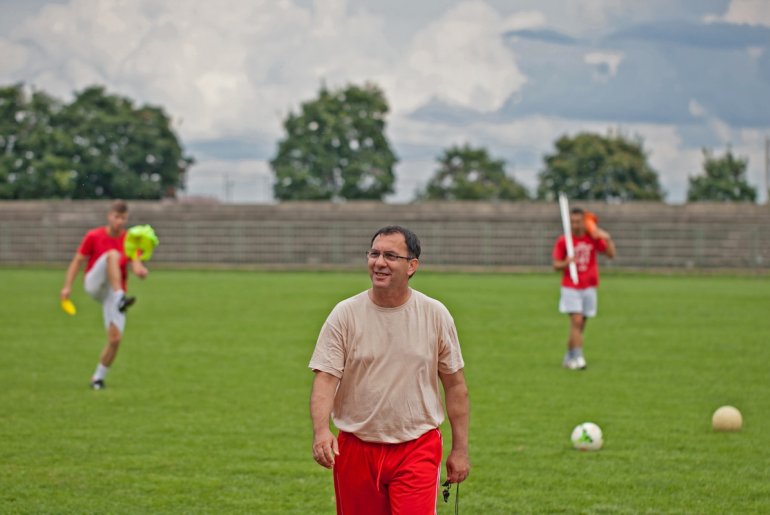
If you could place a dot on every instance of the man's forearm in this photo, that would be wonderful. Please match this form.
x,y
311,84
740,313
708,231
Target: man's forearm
x,y
458,411
610,252
322,400
72,272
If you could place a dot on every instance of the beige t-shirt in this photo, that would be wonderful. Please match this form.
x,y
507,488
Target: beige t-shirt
x,y
388,360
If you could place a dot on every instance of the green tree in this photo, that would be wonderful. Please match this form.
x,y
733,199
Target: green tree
x,y
468,173
97,146
335,147
724,180
593,167
29,165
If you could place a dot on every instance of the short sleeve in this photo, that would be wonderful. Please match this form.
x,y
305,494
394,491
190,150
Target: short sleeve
x,y
450,359
601,245
559,249
329,353
86,247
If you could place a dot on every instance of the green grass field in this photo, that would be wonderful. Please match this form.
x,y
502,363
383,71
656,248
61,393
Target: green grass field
x,y
206,406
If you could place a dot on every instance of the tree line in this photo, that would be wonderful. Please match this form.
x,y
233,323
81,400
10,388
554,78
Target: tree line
x,y
334,147
96,146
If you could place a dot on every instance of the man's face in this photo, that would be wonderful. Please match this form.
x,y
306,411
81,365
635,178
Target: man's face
x,y
116,221
391,275
578,223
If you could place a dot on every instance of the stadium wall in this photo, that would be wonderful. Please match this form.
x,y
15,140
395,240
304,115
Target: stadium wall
x,y
464,235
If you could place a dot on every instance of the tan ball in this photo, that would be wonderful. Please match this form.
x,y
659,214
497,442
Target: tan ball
x,y
727,418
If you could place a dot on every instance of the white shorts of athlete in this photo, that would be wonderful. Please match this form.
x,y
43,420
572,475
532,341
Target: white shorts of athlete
x,y
97,285
578,301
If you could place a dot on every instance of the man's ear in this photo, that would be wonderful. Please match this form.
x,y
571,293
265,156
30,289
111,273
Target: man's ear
x,y
413,265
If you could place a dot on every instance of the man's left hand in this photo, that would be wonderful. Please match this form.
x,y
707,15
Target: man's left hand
x,y
139,269
458,466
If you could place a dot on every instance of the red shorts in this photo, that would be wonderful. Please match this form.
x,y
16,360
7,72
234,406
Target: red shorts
x,y
387,478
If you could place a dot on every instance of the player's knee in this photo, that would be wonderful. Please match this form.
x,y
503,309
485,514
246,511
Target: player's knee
x,y
114,335
113,255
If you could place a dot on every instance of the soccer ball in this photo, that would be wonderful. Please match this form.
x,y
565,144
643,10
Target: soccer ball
x,y
727,418
587,437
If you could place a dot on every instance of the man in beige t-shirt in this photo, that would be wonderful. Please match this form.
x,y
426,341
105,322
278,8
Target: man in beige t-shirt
x,y
378,362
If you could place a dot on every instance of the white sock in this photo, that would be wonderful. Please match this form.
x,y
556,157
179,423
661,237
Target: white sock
x,y
101,372
115,297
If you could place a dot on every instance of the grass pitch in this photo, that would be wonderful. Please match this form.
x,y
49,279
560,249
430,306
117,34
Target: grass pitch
x,y
206,406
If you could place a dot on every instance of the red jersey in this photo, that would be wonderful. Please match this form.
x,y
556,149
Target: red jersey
x,y
585,260
96,242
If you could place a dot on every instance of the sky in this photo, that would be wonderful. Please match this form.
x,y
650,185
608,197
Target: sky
x,y
510,76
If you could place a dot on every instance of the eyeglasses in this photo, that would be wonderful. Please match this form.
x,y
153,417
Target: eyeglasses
x,y
389,256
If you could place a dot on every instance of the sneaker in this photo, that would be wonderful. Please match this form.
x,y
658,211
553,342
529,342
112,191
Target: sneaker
x,y
98,384
125,303
580,363
570,364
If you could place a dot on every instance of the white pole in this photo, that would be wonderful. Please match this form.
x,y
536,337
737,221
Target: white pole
x,y
564,208
767,170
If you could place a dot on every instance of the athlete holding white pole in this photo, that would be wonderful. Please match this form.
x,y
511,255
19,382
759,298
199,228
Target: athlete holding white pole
x,y
575,255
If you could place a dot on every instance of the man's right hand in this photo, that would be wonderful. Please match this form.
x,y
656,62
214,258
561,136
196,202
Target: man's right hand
x,y
65,293
325,448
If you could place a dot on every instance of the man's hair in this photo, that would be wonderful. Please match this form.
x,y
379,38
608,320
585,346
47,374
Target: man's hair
x,y
119,206
412,241
577,211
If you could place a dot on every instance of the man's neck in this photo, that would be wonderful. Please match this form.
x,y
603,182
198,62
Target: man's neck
x,y
390,299
111,233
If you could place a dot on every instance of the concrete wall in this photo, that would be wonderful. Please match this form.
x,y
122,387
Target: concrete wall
x,y
462,234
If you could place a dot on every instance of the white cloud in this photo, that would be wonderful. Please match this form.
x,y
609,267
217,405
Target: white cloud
x,y
673,161
14,57
722,130
588,18
412,176
231,66
751,144
596,14
243,181
523,20
606,64
755,52
225,67
460,59
696,109
751,12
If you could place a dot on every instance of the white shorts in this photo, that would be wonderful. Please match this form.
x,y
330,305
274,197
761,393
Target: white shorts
x,y
582,301
98,287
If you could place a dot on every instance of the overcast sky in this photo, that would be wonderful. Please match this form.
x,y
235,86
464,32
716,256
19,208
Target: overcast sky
x,y
511,76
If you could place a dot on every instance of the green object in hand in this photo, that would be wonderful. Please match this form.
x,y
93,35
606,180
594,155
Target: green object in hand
x,y
141,240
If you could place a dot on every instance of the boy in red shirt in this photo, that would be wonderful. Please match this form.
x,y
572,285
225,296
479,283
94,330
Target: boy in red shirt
x,y
579,301
105,280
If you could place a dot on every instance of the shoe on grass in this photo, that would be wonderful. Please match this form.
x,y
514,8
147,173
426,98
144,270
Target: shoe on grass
x,y
98,384
125,303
